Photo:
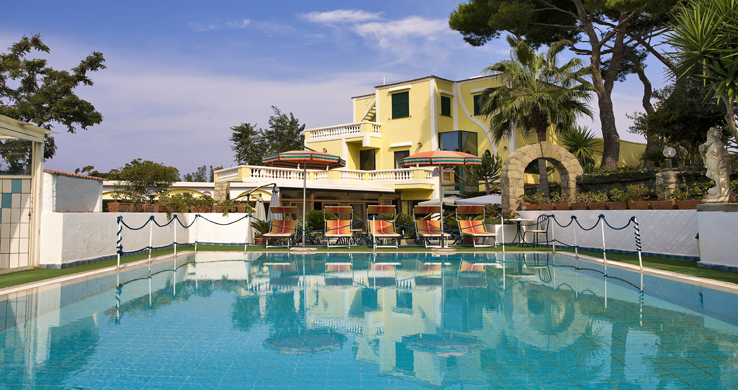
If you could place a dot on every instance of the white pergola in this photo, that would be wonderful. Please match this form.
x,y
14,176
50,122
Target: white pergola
x,y
15,129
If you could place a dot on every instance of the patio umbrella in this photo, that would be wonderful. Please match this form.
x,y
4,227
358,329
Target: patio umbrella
x,y
260,214
275,202
304,159
440,159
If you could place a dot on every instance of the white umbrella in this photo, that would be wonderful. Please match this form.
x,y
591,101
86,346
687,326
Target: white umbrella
x,y
481,200
259,213
447,201
275,202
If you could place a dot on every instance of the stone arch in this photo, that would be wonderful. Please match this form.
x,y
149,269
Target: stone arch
x,y
511,176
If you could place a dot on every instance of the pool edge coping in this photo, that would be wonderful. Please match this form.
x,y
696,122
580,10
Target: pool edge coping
x,y
81,276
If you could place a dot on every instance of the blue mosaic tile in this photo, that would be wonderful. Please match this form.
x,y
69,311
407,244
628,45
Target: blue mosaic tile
x,y
7,201
16,186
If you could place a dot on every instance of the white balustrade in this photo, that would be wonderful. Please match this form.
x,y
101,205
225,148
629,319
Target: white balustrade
x,y
341,130
276,173
321,175
352,175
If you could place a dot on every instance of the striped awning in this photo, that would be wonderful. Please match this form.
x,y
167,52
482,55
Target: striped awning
x,y
304,159
440,158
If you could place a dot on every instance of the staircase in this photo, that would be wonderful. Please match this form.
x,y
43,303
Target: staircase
x,y
371,113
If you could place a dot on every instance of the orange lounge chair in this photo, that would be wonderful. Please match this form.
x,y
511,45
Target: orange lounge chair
x,y
430,230
281,230
339,229
383,230
474,228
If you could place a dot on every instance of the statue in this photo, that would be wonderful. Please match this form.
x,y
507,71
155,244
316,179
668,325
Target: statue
x,y
718,167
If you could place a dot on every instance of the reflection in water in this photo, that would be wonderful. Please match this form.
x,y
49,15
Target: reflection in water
x,y
479,320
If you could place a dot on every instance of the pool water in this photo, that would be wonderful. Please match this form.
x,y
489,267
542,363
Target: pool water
x,y
316,321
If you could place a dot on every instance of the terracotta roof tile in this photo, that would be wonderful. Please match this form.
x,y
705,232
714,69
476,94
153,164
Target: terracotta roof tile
x,y
73,175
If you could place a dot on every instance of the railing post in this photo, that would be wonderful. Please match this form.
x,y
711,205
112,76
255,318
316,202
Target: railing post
x,y
553,233
248,233
576,247
502,227
374,235
197,229
175,233
151,236
604,251
119,242
638,242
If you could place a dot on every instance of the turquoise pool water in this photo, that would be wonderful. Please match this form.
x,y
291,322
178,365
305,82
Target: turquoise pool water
x,y
226,321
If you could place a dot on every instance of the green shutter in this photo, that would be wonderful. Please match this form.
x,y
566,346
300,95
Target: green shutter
x,y
477,106
445,106
400,105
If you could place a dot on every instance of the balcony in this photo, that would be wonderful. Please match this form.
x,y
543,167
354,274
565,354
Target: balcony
x,y
388,179
348,130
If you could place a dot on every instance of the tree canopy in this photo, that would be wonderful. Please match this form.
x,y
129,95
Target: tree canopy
x,y
613,34
251,144
138,176
33,92
201,175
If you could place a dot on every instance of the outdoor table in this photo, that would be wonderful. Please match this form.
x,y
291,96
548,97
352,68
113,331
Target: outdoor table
x,y
519,232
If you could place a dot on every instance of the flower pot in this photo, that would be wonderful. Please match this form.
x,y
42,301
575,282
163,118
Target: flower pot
x,y
126,207
240,209
546,206
615,205
200,209
217,209
689,204
260,240
638,205
150,208
114,207
578,206
662,204
597,205
529,206
561,206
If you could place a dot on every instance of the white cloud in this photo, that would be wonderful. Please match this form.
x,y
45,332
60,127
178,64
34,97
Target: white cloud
x,y
339,16
233,25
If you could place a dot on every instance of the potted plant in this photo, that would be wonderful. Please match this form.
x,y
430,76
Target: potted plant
x,y
616,200
687,198
260,228
635,195
560,202
533,202
225,207
202,204
177,203
405,225
580,201
596,201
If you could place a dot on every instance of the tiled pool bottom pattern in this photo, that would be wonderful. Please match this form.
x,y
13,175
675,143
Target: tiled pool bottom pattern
x,y
549,329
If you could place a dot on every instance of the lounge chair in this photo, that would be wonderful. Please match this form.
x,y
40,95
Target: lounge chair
x,y
339,229
380,229
282,229
474,228
429,229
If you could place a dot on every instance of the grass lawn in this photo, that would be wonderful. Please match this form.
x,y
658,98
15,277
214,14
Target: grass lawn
x,y
686,267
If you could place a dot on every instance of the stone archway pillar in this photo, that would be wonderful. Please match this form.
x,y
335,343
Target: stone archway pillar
x,y
511,175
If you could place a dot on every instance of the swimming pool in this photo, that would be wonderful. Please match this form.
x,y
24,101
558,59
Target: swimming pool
x,y
221,320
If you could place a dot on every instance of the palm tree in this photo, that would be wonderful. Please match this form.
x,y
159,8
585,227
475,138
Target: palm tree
x,y
580,142
536,93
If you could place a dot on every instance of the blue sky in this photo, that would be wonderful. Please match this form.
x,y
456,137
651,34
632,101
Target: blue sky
x,y
180,73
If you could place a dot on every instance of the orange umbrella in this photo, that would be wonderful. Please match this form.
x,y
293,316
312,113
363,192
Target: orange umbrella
x,y
304,159
440,159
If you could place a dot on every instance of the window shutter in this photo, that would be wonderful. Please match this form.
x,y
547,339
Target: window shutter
x,y
400,105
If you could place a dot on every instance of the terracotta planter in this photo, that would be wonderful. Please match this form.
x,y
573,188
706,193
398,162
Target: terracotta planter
x,y
240,209
561,206
663,204
114,207
597,205
578,206
529,206
125,207
615,205
218,209
150,208
546,206
260,241
689,204
638,205
200,209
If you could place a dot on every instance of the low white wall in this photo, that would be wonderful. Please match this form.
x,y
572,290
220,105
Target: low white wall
x,y
718,226
66,194
75,238
669,232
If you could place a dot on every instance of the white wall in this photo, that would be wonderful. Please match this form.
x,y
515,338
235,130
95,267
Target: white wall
x,y
669,232
718,226
71,194
72,238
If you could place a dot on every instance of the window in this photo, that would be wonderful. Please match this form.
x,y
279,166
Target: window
x,y
401,105
366,160
477,105
445,106
399,156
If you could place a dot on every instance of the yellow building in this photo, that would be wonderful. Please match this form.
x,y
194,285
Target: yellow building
x,y
393,122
